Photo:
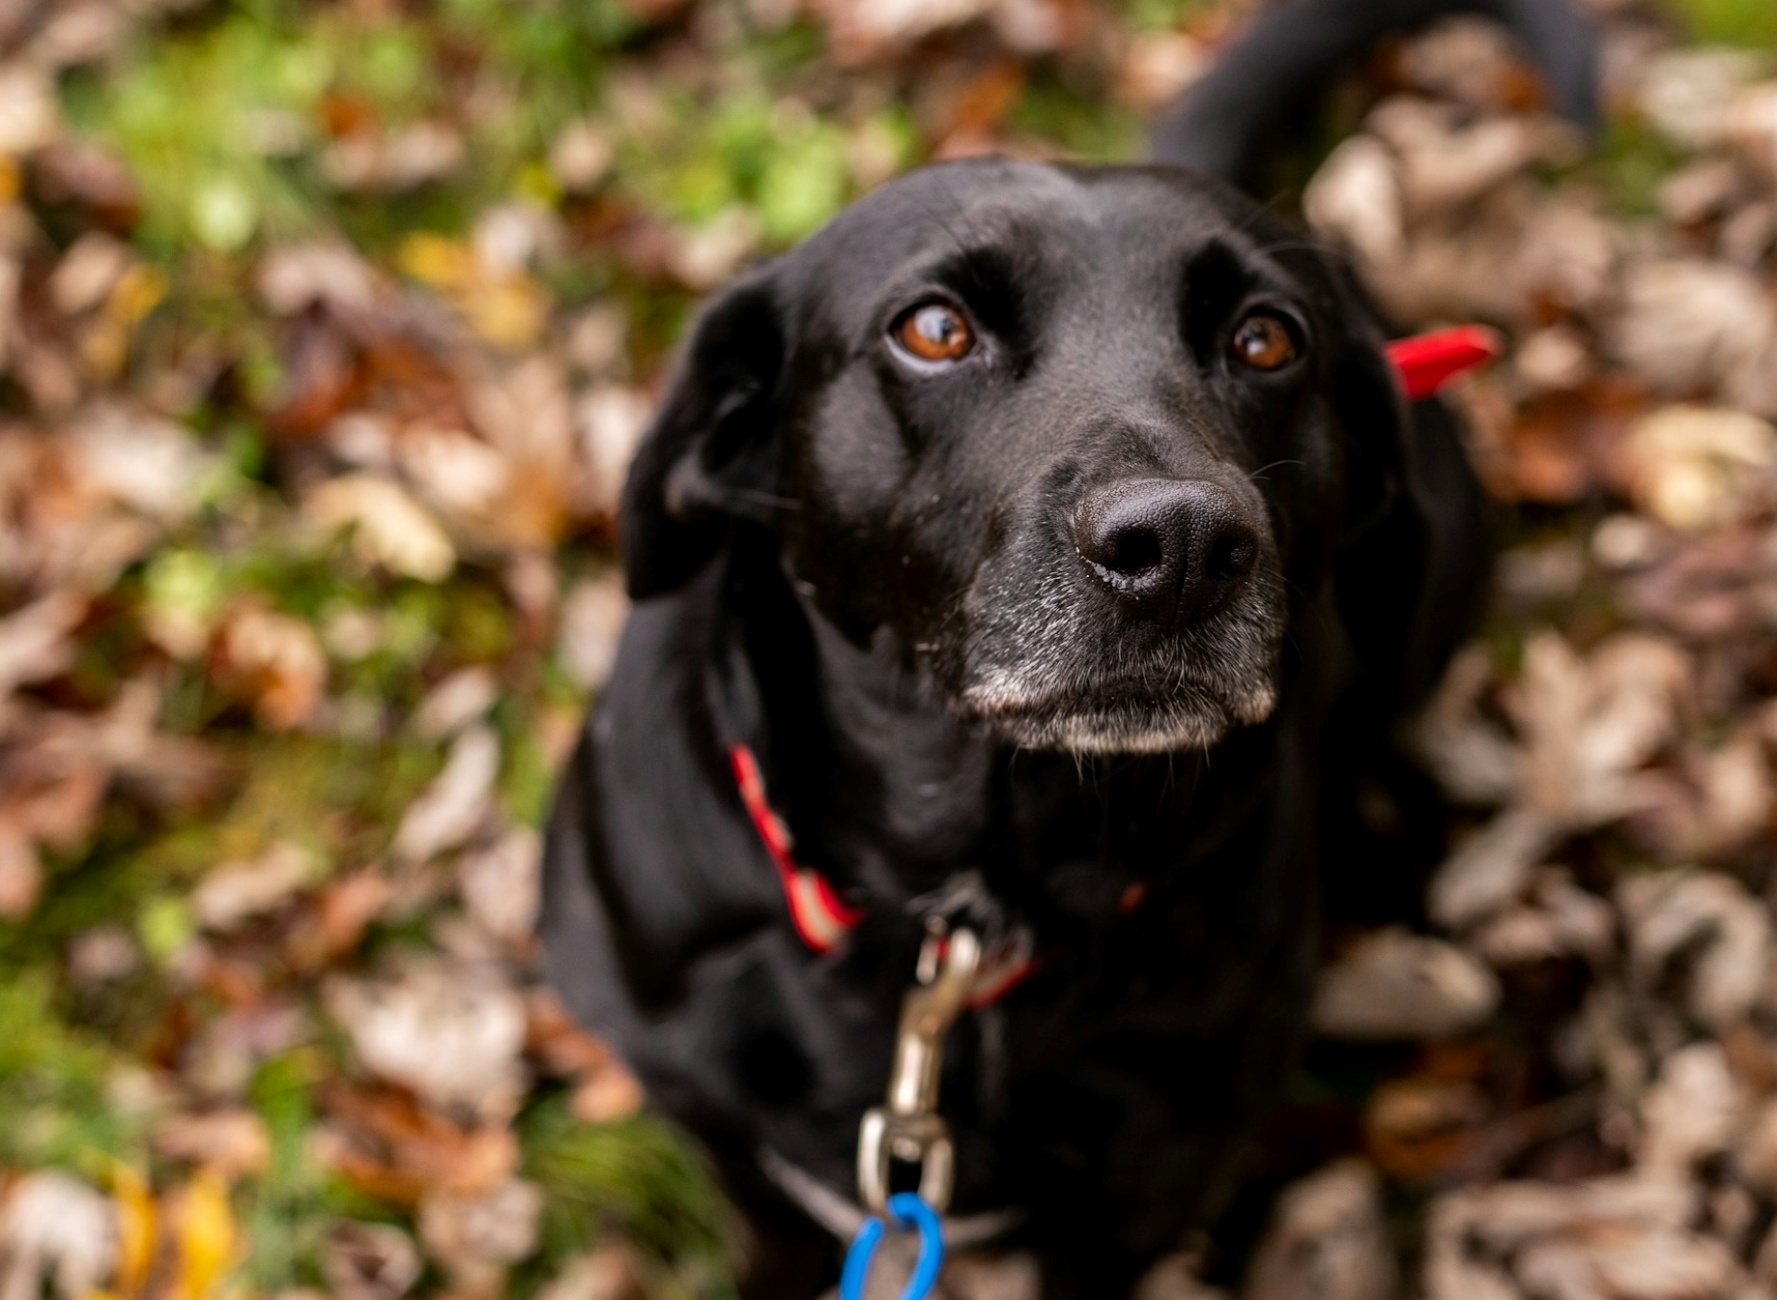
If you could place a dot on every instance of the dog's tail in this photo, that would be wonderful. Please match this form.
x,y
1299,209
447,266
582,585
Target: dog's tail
x,y
1235,119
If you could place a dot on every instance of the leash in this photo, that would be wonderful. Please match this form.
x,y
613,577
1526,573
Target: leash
x,y
907,1127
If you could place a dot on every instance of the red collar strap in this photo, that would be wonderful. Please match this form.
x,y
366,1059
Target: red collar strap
x,y
1426,362
820,916
822,919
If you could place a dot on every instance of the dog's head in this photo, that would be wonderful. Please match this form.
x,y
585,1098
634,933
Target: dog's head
x,y
1069,442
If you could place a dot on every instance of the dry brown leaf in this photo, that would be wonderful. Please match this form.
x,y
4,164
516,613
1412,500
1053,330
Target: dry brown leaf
x,y
1491,867
386,1142
1424,1127
1392,984
389,528
1327,1240
1557,920
36,641
57,1233
1589,725
611,420
477,1238
273,659
235,1143
451,1032
296,277
1693,1111
343,910
1480,1238
502,885
460,699
1175,1278
609,1273
1695,467
454,806
1709,926
369,1261
592,620
1693,328
238,891
397,162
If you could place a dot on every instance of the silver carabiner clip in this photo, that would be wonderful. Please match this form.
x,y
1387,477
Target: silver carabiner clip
x,y
908,1128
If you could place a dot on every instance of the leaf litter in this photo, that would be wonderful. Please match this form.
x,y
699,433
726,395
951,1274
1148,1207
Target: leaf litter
x,y
326,333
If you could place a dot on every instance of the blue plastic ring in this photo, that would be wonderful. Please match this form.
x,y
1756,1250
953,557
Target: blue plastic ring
x,y
909,1211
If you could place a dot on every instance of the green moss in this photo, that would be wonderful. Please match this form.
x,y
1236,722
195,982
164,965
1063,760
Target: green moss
x,y
53,1087
1735,22
286,1208
192,115
1632,161
1082,123
638,1177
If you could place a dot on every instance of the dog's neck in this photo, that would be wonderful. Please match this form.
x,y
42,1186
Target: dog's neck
x,y
887,789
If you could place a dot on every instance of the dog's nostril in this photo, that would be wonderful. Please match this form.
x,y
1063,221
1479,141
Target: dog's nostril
x,y
1134,551
1231,557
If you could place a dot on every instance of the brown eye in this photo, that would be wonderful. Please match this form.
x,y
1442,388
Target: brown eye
x,y
935,332
1264,341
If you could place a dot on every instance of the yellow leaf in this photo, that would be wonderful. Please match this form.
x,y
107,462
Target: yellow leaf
x,y
138,291
437,261
509,312
207,1237
136,1230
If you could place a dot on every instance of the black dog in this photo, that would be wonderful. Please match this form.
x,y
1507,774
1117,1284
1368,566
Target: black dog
x,y
1014,541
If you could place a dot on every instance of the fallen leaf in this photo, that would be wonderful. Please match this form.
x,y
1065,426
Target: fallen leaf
x,y
1326,1240
457,801
275,660
389,528
369,1261
476,1238
1694,467
1709,926
238,891
56,1232
608,1273
452,1033
592,619
233,1143
1391,984
502,885
1694,1109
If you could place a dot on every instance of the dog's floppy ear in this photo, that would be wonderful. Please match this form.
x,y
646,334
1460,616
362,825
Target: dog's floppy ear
x,y
1412,558
710,457
1378,433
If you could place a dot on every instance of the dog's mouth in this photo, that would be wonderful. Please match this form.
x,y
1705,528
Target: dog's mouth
x,y
1173,651
1128,717
1069,674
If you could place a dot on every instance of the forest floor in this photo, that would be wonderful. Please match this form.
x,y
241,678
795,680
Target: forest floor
x,y
326,331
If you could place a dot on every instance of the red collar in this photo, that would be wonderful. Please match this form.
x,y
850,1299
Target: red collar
x,y
820,916
823,919
1426,362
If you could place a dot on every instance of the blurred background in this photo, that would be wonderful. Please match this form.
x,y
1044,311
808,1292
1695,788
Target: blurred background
x,y
326,331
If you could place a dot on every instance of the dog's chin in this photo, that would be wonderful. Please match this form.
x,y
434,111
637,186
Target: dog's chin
x,y
1122,725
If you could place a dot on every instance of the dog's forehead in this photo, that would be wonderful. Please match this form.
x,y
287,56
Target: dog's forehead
x,y
1042,214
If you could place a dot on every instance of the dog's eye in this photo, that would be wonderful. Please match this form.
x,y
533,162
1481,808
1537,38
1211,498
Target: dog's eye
x,y
934,332
1264,341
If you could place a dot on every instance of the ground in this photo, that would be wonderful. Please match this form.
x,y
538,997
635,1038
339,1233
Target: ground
x,y
326,330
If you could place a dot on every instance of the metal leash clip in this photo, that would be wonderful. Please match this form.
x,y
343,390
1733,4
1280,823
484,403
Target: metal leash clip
x,y
909,1128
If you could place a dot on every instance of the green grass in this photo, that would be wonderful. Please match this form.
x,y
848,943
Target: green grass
x,y
1751,23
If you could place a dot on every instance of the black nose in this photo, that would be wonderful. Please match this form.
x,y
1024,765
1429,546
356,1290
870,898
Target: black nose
x,y
1172,548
